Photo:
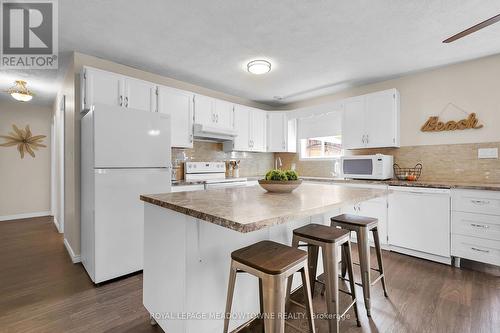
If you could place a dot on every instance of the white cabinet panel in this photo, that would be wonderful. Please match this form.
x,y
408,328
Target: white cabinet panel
x,y
224,112
242,127
419,220
281,133
476,225
258,130
140,95
276,131
482,250
371,121
179,105
101,87
204,110
381,119
474,201
353,123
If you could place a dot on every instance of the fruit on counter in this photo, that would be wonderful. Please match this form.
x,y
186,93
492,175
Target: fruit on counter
x,y
281,175
411,177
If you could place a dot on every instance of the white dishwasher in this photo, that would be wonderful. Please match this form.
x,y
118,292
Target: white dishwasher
x,y
419,222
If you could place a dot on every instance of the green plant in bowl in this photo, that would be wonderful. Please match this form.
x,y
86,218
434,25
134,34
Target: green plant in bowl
x,y
276,174
291,175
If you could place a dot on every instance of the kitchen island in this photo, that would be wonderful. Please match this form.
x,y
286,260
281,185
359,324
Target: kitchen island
x,y
189,236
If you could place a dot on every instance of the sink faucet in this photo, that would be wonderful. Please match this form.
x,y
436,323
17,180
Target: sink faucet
x,y
277,162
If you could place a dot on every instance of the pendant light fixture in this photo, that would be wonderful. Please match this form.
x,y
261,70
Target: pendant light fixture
x,y
20,92
259,67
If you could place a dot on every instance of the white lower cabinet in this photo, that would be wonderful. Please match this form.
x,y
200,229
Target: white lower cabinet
x,y
419,222
475,225
375,208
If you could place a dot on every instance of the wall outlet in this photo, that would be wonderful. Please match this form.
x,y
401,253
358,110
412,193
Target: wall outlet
x,y
487,153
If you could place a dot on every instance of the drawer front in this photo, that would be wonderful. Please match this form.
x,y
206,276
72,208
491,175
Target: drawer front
x,y
482,202
476,225
482,250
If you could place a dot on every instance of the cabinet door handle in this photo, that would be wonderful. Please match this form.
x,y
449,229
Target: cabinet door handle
x,y
483,226
367,138
479,250
126,102
121,100
480,202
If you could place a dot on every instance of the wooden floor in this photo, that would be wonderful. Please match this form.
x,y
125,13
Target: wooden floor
x,y
42,291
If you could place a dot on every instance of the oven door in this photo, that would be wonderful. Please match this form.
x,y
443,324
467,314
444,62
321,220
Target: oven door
x,y
210,186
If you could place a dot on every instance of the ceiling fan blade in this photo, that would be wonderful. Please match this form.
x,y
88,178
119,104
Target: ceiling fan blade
x,y
473,29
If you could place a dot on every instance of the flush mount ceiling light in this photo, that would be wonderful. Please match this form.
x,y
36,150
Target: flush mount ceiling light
x,y
20,92
259,67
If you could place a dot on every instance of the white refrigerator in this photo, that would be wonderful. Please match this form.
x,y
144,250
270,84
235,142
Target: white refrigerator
x,y
124,153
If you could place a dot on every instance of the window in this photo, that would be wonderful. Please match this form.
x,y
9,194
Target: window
x,y
325,147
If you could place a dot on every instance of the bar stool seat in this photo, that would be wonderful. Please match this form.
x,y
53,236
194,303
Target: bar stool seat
x,y
362,225
321,233
272,263
331,241
269,257
363,221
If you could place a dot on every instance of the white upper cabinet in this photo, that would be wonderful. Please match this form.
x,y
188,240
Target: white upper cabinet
x,y
250,126
242,126
139,95
102,87
353,123
214,113
371,121
281,133
204,110
258,128
179,105
224,114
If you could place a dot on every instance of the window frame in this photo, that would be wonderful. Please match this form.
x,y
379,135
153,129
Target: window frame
x,y
321,158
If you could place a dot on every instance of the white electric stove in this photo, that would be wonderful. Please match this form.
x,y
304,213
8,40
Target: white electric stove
x,y
213,174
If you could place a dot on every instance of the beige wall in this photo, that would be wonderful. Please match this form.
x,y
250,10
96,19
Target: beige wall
x,y
71,89
471,85
24,183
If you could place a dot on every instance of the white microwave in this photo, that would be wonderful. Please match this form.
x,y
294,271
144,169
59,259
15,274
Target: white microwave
x,y
377,167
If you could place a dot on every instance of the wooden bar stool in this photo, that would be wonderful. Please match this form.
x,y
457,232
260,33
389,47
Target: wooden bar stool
x,y
273,263
362,226
330,240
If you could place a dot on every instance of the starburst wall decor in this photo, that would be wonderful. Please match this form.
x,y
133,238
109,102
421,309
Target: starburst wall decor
x,y
25,141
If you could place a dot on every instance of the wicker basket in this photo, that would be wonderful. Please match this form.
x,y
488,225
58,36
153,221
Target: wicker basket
x,y
408,174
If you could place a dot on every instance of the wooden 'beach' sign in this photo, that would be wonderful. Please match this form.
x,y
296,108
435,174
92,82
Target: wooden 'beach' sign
x,y
433,124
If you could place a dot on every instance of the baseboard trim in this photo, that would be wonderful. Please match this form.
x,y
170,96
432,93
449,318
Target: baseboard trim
x,y
74,257
24,216
58,226
423,255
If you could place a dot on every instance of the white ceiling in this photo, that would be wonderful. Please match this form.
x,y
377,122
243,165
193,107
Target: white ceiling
x,y
316,47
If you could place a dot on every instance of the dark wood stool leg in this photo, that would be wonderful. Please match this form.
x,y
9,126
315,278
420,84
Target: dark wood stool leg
x,y
229,301
312,253
346,250
378,250
364,262
306,285
274,303
332,286
261,300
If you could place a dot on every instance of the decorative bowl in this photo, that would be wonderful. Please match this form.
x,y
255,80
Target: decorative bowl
x,y
279,186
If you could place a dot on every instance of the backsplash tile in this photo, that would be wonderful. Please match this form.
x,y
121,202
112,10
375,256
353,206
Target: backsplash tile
x,y
252,164
454,162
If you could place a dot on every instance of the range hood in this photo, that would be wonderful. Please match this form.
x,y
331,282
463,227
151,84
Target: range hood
x,y
208,133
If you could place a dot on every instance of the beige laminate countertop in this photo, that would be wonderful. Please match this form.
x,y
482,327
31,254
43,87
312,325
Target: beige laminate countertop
x,y
247,209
